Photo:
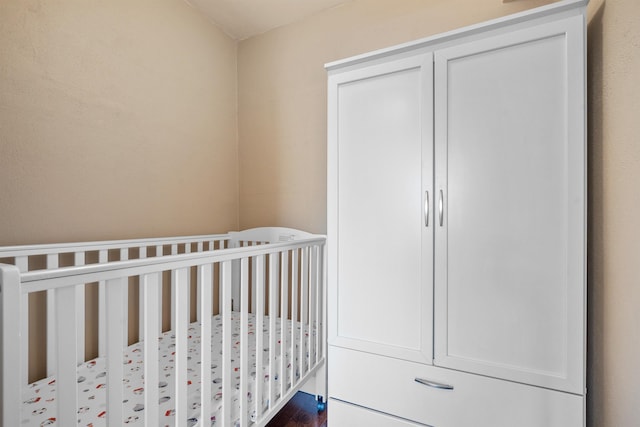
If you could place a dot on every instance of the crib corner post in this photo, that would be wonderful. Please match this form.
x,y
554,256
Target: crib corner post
x,y
10,360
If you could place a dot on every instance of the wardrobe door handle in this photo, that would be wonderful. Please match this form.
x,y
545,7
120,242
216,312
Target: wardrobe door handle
x,y
434,384
441,208
426,208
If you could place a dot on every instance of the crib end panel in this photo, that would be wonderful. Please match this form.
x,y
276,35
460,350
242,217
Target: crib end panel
x,y
10,333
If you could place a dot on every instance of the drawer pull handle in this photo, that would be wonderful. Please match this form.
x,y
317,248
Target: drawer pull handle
x,y
441,208
434,384
426,208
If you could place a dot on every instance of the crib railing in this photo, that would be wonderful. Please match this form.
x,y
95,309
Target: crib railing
x,y
52,256
282,280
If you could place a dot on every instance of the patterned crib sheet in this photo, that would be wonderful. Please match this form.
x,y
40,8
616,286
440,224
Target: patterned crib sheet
x,y
39,398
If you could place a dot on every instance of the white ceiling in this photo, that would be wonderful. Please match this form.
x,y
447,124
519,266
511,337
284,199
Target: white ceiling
x,y
241,19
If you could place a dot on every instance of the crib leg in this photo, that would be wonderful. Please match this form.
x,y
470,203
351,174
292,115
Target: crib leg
x,y
322,405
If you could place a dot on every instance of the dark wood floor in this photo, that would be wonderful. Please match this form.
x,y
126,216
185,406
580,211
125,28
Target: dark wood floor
x,y
301,411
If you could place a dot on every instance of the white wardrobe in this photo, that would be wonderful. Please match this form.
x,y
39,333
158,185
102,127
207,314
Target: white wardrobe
x,y
457,227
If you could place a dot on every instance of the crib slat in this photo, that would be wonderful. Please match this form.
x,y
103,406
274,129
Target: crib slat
x,y
52,261
235,289
22,262
12,369
244,340
189,295
313,281
79,259
226,343
150,284
174,251
67,350
142,254
124,256
295,258
115,288
179,282
259,285
320,307
253,285
304,286
199,317
103,256
52,342
220,301
205,282
187,250
274,286
284,314
160,252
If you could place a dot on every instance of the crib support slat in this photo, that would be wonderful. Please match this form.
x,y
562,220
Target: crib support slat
x,y
244,340
319,327
78,260
187,250
304,286
22,263
124,256
12,367
150,284
198,295
313,281
160,252
174,251
235,288
52,342
179,282
260,285
295,258
142,254
115,289
103,256
205,282
274,285
66,384
284,314
226,270
253,284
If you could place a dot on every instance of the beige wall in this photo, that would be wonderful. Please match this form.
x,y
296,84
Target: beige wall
x,y
117,120
282,121
112,104
614,210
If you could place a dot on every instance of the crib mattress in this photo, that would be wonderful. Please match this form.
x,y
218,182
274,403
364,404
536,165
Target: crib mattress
x,y
39,398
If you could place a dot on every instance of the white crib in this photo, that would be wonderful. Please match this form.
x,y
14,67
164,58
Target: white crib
x,y
257,298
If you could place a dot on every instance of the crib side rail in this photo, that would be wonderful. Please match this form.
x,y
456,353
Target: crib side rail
x,y
26,259
22,252
266,235
306,253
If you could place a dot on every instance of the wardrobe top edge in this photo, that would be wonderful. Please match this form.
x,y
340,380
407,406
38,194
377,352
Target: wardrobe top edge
x,y
535,13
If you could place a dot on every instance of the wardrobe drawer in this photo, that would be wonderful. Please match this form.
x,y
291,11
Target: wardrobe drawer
x,y
388,385
343,414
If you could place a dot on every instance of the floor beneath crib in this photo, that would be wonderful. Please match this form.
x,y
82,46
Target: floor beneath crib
x,y
301,411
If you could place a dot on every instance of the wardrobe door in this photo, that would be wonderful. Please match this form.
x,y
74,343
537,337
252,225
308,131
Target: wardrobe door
x,y
510,182
379,188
